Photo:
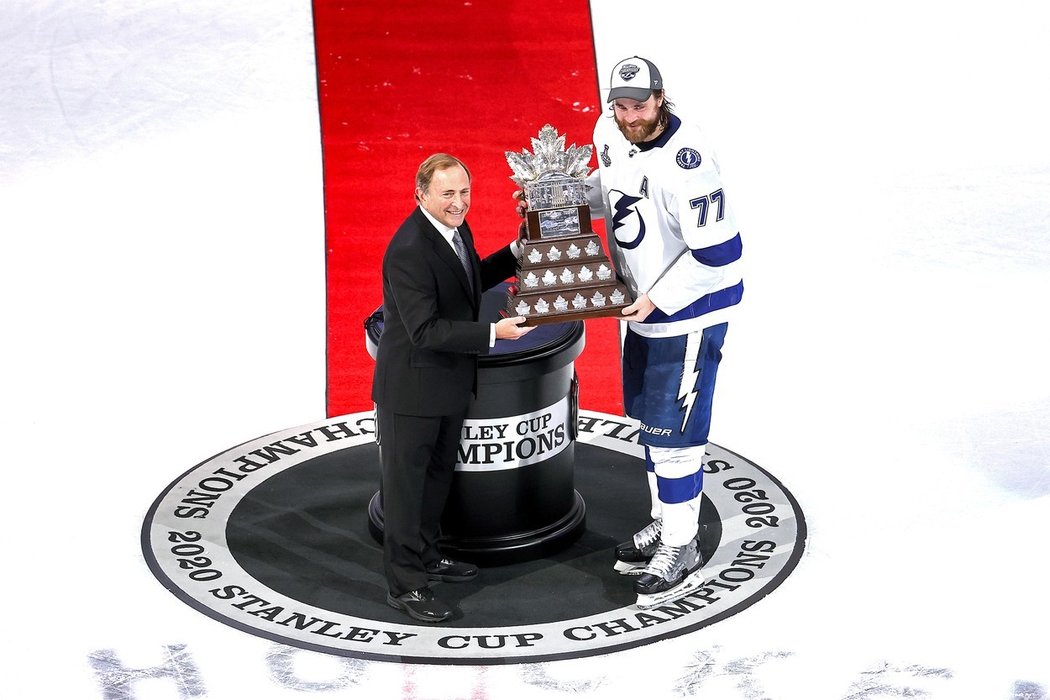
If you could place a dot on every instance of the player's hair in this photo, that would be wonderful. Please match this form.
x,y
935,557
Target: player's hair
x,y
666,108
438,161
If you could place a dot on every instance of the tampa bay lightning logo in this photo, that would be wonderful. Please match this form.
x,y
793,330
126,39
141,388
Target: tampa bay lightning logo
x,y
628,226
688,158
606,160
628,71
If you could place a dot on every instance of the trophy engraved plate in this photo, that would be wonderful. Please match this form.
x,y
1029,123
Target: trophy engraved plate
x,y
558,222
564,273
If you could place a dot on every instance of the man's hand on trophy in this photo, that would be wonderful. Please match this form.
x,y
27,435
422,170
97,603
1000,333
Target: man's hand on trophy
x,y
511,328
639,310
521,207
522,204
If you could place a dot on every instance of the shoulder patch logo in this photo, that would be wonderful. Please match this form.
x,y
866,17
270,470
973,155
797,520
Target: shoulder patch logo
x,y
628,71
688,158
606,160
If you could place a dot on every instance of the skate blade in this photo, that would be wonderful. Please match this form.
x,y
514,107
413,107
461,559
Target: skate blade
x,y
628,569
689,584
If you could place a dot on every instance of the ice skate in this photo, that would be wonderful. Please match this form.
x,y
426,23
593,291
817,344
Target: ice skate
x,y
632,556
671,574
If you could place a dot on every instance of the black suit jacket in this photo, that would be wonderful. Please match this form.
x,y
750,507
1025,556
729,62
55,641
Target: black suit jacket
x,y
426,363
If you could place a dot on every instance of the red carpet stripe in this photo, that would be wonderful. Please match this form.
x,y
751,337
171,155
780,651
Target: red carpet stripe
x,y
401,80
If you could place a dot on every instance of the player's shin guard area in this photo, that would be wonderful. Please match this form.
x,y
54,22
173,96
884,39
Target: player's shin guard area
x,y
689,584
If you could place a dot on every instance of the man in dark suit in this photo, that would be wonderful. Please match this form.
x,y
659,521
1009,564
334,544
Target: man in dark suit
x,y
426,375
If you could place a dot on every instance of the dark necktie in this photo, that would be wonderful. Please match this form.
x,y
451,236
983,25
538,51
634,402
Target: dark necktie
x,y
461,251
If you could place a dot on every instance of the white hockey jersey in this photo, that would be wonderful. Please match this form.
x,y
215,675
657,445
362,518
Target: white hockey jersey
x,y
670,227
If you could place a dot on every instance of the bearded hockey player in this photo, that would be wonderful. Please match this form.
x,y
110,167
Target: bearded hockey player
x,y
673,236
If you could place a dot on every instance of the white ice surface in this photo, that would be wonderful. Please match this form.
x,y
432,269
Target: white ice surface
x,y
162,299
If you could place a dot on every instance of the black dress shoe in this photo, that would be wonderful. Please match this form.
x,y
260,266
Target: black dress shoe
x,y
420,604
451,570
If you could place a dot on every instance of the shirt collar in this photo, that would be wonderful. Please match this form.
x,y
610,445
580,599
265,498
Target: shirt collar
x,y
445,231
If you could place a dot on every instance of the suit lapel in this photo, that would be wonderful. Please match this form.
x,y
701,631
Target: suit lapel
x,y
448,256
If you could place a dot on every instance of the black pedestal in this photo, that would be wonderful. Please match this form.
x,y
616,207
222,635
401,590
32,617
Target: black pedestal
x,y
513,496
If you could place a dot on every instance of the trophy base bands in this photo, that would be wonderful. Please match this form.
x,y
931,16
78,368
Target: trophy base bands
x,y
587,302
573,316
566,278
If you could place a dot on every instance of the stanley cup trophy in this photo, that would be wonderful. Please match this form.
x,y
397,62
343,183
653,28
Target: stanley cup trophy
x,y
563,271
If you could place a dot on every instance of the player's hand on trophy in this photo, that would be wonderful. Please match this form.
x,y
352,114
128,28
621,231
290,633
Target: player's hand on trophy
x,y
639,310
511,329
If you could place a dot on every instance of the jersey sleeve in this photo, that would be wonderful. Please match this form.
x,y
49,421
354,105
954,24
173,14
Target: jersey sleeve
x,y
697,203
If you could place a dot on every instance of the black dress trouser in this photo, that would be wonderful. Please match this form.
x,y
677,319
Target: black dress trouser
x,y
418,455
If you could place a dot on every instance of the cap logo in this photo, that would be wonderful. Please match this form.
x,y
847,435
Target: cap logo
x,y
628,71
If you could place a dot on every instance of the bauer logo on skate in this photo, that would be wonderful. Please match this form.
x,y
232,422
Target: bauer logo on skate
x,y
206,538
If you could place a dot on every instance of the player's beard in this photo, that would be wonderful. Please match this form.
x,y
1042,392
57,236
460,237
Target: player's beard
x,y
641,131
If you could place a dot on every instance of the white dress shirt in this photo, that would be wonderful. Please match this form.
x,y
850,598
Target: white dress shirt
x,y
447,233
